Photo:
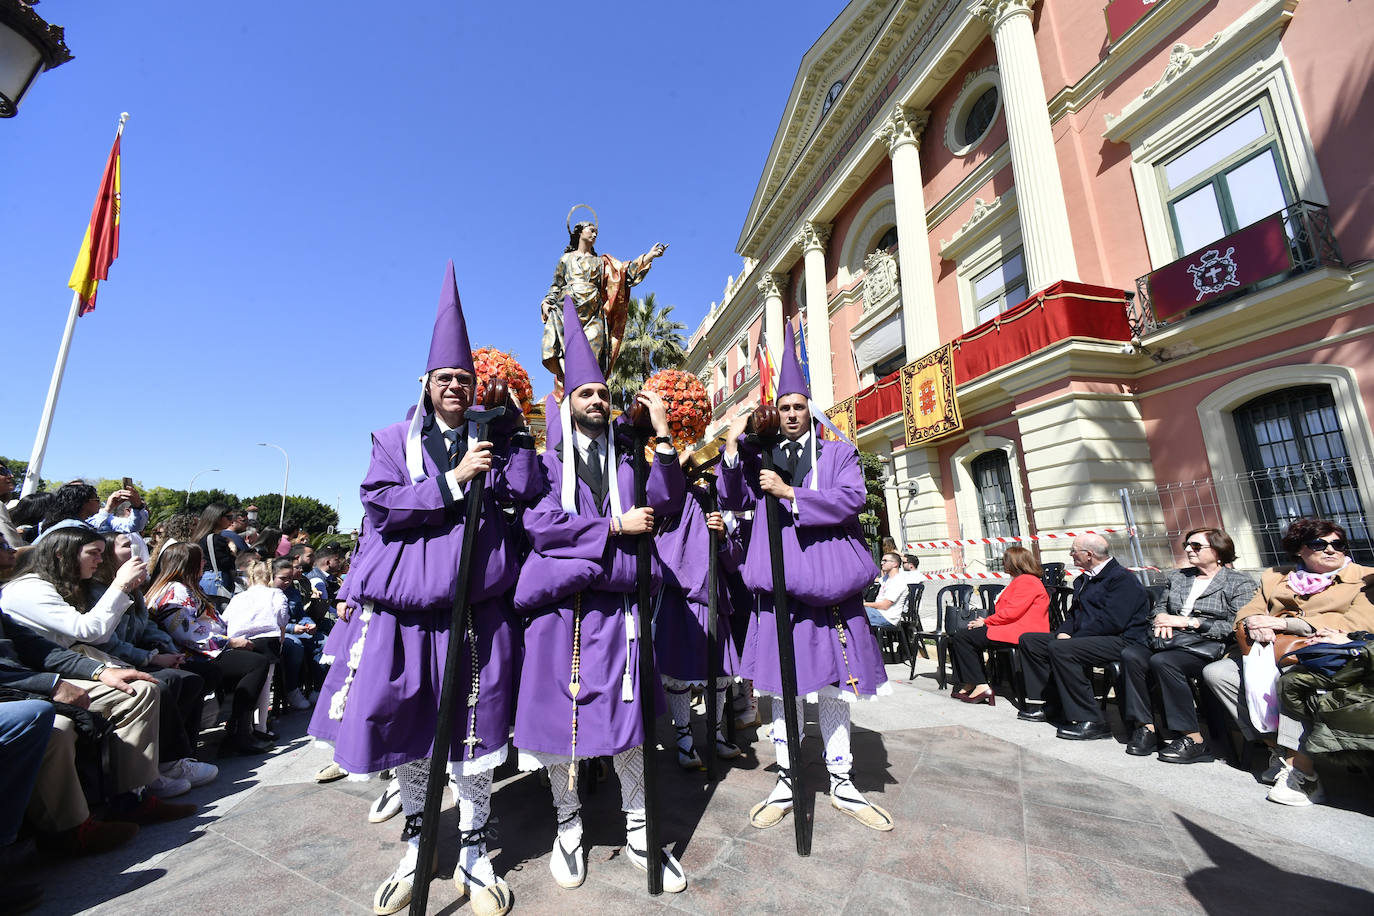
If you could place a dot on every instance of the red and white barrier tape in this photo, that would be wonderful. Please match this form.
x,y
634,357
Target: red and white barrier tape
x,y
1016,539
1068,573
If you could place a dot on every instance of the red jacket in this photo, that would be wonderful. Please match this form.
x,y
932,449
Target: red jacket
x,y
1023,607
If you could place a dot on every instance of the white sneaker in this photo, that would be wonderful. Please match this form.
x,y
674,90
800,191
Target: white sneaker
x,y
387,805
1295,789
296,700
1271,772
191,770
169,787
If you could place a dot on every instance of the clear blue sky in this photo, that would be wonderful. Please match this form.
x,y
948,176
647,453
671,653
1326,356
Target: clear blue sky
x,y
294,177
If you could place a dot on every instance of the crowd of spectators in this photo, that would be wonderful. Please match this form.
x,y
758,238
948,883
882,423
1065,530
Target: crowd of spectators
x,y
114,637
1207,626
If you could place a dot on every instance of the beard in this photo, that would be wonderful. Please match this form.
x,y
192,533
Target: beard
x,y
592,424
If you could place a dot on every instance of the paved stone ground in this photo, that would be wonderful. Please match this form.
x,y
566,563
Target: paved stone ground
x,y
992,814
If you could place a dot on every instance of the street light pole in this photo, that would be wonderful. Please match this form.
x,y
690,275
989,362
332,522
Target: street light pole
x,y
187,502
285,478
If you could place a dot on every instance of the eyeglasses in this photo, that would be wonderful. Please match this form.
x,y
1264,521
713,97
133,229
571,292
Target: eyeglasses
x,y
1320,545
445,379
1195,546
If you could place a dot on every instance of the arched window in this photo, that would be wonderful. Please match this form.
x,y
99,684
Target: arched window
x,y
991,472
888,240
1297,464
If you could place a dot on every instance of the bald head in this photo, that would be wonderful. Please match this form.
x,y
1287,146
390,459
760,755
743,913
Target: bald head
x,y
1090,550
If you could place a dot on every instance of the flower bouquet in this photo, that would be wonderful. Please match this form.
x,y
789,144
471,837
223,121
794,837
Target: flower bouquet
x,y
689,409
493,363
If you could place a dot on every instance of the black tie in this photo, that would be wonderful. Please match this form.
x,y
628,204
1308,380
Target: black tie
x,y
793,450
455,448
596,477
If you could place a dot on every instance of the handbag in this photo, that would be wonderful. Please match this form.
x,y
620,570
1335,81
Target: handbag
x,y
1189,641
1325,657
1284,643
218,590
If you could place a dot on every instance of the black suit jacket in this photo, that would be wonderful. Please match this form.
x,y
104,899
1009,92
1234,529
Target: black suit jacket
x,y
1112,603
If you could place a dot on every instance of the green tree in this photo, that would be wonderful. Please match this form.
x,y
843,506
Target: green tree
x,y
311,514
874,503
653,341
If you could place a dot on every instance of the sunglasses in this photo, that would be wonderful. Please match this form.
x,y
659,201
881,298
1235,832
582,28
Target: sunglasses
x,y
1195,546
1319,545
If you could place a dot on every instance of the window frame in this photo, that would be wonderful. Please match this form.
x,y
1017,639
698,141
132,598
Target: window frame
x,y
1021,279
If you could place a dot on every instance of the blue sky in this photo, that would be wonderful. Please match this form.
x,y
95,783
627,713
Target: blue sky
x,y
294,177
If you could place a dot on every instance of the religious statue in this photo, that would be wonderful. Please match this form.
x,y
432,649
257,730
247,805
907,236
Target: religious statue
x,y
599,286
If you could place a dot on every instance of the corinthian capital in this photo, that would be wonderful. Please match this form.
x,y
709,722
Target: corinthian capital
x,y
904,125
813,236
770,287
995,11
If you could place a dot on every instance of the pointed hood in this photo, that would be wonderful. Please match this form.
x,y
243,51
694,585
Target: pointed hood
x,y
790,377
448,345
579,362
553,424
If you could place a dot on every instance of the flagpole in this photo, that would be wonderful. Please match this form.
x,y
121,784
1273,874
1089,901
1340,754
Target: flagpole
x,y
40,443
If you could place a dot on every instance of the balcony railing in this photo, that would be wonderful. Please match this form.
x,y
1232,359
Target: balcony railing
x,y
1293,241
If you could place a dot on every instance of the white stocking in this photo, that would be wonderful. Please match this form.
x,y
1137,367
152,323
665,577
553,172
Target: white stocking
x,y
780,748
474,808
567,805
834,716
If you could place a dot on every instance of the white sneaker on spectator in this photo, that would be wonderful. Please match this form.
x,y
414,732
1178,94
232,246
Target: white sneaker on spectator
x,y
169,787
1271,772
296,700
191,770
387,805
1297,789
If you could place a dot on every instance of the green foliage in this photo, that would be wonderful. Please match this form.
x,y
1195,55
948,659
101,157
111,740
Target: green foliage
x,y
311,514
339,538
653,341
875,473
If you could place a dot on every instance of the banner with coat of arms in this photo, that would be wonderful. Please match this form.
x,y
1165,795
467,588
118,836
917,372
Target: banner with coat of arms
x,y
930,409
845,420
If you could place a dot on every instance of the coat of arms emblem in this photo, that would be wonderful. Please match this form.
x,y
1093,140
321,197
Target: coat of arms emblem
x,y
1214,272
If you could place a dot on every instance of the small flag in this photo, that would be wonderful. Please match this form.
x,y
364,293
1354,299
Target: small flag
x,y
101,245
767,373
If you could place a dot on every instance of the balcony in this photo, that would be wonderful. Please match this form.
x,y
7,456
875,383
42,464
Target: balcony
x,y
1294,241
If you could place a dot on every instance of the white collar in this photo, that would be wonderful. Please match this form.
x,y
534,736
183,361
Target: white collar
x,y
583,442
804,440
1097,570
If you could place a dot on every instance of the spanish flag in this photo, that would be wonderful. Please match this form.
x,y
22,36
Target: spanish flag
x,y
101,245
767,372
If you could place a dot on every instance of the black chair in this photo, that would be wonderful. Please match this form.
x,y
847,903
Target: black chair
x,y
1003,658
987,595
900,632
1052,574
948,600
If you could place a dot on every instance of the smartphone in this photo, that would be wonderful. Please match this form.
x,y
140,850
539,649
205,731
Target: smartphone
x,y
128,482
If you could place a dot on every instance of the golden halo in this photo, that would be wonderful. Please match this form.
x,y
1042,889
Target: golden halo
x,y
575,208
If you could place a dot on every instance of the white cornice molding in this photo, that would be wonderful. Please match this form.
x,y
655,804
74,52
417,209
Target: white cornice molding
x,y
1198,64
986,216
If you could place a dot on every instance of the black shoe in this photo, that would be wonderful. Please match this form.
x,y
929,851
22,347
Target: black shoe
x,y
1143,743
1033,714
1084,731
1185,750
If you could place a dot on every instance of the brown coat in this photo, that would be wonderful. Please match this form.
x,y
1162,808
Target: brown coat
x,y
1344,605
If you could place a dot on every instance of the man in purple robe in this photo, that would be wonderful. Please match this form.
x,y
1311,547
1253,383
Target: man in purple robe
x,y
683,545
580,694
827,566
403,581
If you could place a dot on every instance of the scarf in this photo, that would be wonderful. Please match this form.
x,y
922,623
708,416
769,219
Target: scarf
x,y
1306,583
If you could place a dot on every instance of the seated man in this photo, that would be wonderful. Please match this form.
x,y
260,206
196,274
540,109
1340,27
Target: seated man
x,y
886,610
1111,610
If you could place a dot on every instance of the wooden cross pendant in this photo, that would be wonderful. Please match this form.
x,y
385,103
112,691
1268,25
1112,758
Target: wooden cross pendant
x,y
853,683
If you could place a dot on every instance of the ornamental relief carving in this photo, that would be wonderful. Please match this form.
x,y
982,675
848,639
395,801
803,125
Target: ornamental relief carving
x,y
812,236
880,278
903,125
1181,58
768,285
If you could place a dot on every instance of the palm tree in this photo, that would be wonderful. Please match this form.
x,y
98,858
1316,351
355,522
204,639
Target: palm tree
x,y
653,341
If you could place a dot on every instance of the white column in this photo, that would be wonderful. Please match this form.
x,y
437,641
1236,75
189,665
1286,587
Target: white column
x,y
902,134
812,238
1045,235
771,287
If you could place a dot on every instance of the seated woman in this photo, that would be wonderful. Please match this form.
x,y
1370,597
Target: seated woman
x,y
182,609
1022,607
142,644
51,596
1199,607
1324,594
260,613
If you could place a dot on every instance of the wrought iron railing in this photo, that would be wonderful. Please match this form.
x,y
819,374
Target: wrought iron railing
x,y
1310,244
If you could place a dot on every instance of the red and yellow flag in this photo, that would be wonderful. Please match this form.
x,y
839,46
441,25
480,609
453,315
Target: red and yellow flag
x,y
767,372
929,406
101,245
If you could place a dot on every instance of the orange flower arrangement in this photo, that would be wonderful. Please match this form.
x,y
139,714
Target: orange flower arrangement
x,y
689,409
491,362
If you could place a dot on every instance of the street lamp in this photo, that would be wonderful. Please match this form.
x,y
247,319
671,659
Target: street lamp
x,y
193,483
285,477
28,46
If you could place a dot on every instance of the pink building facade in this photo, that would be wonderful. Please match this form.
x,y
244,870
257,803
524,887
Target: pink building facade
x,y
1147,232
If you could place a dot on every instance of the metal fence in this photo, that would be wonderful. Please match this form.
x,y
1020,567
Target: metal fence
x,y
1254,508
